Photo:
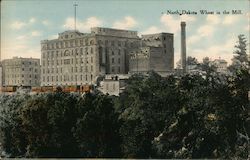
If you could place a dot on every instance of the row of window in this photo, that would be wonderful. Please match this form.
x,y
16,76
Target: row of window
x,y
68,61
19,63
113,86
156,38
68,78
17,82
113,60
115,69
66,44
73,69
21,75
86,42
21,69
77,51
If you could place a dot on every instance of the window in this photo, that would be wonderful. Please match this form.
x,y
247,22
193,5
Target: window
x,y
119,60
67,61
106,42
91,42
81,52
113,60
76,51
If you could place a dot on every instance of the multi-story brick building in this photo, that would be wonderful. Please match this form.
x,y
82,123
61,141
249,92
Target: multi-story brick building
x,y
156,52
21,72
80,58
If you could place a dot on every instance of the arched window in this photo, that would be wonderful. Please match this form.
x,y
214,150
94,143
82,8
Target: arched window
x,y
91,42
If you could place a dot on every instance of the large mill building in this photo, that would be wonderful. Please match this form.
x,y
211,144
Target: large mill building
x,y
80,58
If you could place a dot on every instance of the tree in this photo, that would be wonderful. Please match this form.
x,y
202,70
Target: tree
x,y
240,59
97,128
207,66
12,137
192,61
149,102
211,123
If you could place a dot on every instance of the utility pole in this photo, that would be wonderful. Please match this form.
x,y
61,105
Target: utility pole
x,y
75,5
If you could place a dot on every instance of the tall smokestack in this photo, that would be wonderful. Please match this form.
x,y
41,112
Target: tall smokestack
x,y
183,46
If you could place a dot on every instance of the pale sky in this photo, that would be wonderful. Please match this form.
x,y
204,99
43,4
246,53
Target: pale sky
x,y
25,23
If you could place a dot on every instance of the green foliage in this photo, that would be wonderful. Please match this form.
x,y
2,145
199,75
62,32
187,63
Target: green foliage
x,y
240,60
207,66
96,129
185,116
192,61
211,123
12,137
59,125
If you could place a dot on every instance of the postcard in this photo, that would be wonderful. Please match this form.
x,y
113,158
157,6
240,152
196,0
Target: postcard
x,y
167,79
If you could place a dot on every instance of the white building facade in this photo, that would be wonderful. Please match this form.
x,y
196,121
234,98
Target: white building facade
x,y
21,72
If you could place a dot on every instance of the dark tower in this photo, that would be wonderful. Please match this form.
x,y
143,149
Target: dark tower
x,y
183,46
